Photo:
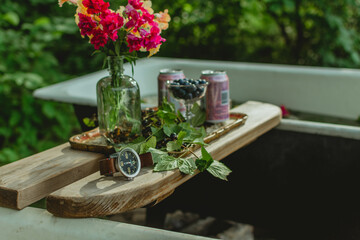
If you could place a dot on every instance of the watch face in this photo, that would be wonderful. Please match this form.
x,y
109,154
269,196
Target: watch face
x,y
129,162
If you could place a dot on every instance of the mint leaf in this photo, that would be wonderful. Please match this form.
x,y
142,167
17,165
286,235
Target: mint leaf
x,y
186,165
166,163
145,146
157,154
173,146
199,115
167,106
181,135
205,161
219,170
202,164
171,128
205,154
195,135
167,112
158,133
136,144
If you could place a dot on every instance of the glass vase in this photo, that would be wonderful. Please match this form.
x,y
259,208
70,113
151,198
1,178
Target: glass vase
x,y
119,106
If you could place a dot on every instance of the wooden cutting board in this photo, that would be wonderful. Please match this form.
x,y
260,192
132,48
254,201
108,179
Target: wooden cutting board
x,y
96,195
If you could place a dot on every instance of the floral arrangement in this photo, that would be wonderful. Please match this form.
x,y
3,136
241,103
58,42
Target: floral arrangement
x,y
131,28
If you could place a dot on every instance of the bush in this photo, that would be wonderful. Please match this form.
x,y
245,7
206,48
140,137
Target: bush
x,y
305,32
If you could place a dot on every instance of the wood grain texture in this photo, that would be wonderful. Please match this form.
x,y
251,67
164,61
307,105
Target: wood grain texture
x,y
97,195
28,180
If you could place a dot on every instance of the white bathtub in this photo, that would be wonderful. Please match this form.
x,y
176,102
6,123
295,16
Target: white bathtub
x,y
300,173
324,91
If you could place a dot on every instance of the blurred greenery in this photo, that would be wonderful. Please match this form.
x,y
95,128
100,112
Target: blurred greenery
x,y
40,45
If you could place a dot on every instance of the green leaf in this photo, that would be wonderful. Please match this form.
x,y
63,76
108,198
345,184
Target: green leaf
x,y
42,21
150,143
205,154
12,18
14,119
171,128
89,122
157,154
181,135
158,133
173,146
136,144
166,163
199,115
219,170
95,52
186,165
117,47
194,135
205,161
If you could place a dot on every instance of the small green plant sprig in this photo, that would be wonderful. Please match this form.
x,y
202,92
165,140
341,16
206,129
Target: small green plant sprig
x,y
168,151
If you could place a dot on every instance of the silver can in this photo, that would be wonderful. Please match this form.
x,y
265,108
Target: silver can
x,y
217,96
169,75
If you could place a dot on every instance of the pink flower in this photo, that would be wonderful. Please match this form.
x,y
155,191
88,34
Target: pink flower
x,y
134,43
99,38
111,23
153,39
86,24
135,19
135,3
285,112
95,6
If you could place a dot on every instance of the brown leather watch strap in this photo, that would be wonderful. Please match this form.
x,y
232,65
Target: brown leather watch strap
x,y
107,165
146,159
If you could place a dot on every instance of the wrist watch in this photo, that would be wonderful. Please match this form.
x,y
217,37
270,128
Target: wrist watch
x,y
126,162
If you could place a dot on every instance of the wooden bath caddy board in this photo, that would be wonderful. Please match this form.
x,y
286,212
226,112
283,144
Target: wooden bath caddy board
x,y
92,140
96,195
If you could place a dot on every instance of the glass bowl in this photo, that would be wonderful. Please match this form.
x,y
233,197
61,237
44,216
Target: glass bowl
x,y
193,91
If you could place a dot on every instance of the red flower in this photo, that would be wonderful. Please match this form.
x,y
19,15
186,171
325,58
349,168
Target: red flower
x,y
99,38
153,39
134,43
111,23
95,6
86,24
136,4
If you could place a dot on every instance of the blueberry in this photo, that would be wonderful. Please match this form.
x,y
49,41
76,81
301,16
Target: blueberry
x,y
192,88
182,91
145,122
173,136
202,81
197,93
188,96
174,83
181,81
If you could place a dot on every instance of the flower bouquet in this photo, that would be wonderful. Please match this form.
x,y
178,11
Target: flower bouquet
x,y
120,34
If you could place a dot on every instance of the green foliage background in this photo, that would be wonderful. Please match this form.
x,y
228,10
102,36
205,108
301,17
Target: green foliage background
x,y
40,45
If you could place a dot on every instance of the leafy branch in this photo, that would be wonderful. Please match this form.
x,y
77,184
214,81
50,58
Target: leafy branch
x,y
164,157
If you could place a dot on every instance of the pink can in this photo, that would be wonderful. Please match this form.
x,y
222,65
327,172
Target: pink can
x,y
169,75
217,96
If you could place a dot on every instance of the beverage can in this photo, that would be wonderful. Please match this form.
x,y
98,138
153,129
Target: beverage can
x,y
217,98
169,75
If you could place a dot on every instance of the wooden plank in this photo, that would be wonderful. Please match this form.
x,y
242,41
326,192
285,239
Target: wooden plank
x,y
28,180
96,195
